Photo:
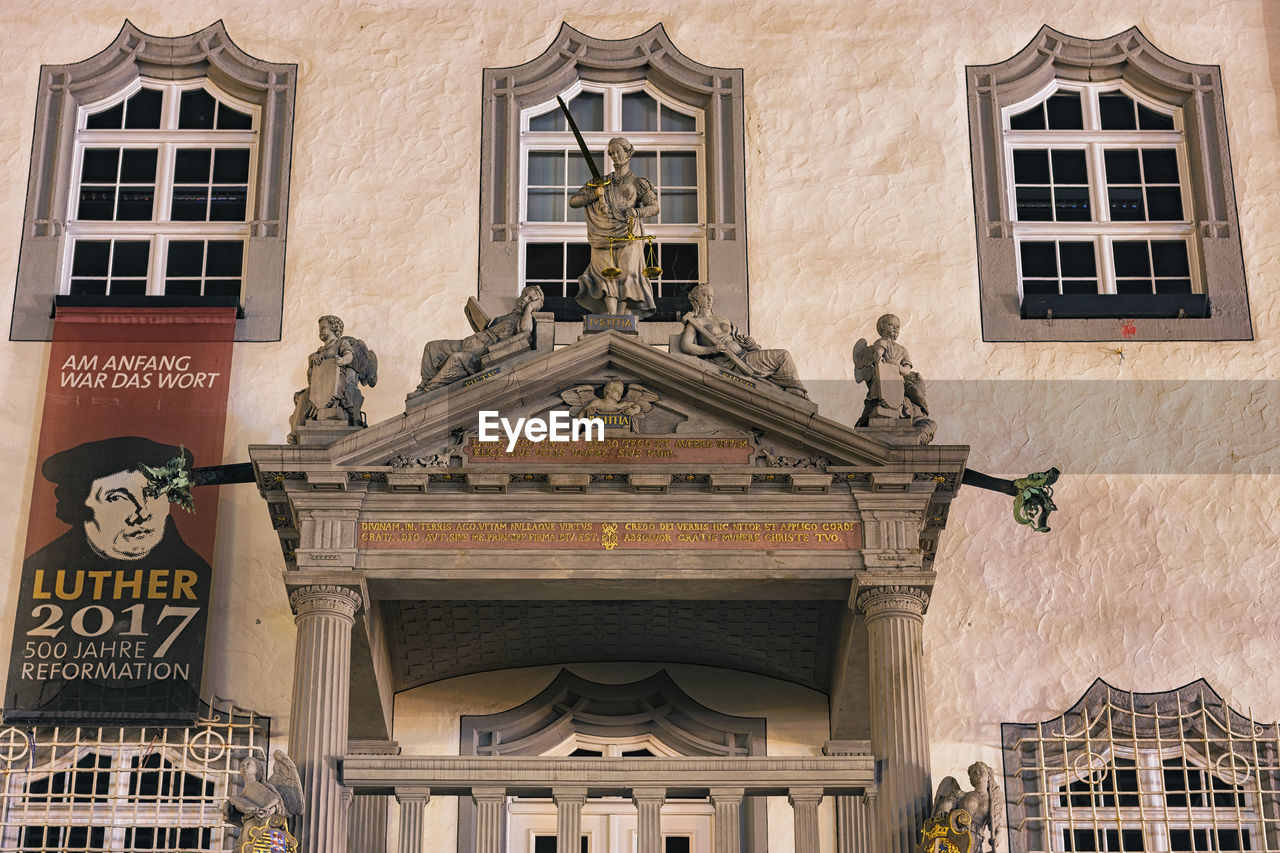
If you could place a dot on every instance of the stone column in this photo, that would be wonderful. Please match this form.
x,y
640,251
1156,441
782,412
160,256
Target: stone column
x,y
853,824
804,805
648,818
318,719
490,805
899,737
367,832
413,807
728,819
569,803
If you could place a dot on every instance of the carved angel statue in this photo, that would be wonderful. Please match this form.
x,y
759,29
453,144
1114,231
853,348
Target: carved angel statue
x,y
280,795
894,388
979,813
634,403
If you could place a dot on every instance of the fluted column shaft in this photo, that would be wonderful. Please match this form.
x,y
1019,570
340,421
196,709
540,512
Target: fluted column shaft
x,y
648,819
367,832
569,803
899,737
413,808
318,720
853,824
727,803
490,804
804,805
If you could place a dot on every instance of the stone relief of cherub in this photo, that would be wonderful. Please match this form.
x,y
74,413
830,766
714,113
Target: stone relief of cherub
x,y
633,404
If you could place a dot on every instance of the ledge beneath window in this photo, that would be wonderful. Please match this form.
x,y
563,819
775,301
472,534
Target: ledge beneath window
x,y
1135,306
147,302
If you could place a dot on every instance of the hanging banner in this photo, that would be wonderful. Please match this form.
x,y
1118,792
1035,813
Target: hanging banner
x,y
115,582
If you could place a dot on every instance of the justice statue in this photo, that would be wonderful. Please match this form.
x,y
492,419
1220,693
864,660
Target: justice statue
x,y
894,390
334,374
616,280
716,339
963,820
262,809
447,361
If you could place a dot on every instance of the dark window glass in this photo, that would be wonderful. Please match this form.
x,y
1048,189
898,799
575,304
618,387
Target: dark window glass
x,y
191,165
226,257
186,257
231,119
637,753
190,204
1164,204
228,204
1077,260
1149,119
1160,166
1032,119
639,112
1116,111
1064,111
195,110
143,110
544,260
130,258
1131,260
587,753
1069,167
136,204
1038,260
1035,204
679,261
1127,204
677,122
1071,204
676,844
138,166
1031,167
1122,167
91,258
100,166
108,119
231,166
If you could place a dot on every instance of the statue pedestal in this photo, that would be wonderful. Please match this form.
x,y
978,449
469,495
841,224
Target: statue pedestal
x,y
628,324
323,432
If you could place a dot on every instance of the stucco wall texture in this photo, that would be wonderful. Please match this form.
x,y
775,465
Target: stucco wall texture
x,y
859,201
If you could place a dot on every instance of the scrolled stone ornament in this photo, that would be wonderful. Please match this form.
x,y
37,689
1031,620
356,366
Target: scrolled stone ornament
x,y
881,599
336,599
1033,500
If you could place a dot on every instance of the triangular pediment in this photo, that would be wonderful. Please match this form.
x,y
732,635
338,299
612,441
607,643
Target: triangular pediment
x,y
698,414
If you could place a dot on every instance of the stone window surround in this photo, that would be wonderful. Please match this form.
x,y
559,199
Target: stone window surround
x,y
63,89
565,707
650,57
1127,56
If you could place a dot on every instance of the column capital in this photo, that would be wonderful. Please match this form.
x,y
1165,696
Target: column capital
x,y
345,794
489,795
877,600
325,598
797,796
727,795
651,795
412,795
569,795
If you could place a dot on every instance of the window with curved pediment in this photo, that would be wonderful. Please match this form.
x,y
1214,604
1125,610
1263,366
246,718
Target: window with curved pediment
x,y
1104,198
1122,771
686,122
159,175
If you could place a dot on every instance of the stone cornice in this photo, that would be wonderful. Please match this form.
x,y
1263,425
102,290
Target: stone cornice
x,y
325,598
879,600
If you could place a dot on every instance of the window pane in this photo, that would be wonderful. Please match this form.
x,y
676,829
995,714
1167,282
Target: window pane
x,y
679,261
639,112
231,166
226,258
1071,204
676,844
1032,119
191,165
546,205
1069,167
136,204
1126,204
546,168
90,258
130,258
1160,166
679,206
97,203
577,258
88,287
1039,260
587,110
195,110
674,121
231,119
679,169
100,165
190,204
1149,119
1034,204
544,260
1122,167
644,164
1116,111
138,166
1064,111
108,119
1131,260
222,287
1031,167
548,121
1164,204
579,174
228,204
1077,260
143,110
186,258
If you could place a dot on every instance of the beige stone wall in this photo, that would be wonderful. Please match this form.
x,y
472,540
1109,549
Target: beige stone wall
x,y
859,200
427,721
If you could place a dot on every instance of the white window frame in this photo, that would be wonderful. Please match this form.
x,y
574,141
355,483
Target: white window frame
x,y
166,141
1094,141
576,232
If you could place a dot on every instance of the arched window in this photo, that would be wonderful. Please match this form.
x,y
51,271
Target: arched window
x,y
669,153
162,192
1103,195
159,172
686,121
1121,771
